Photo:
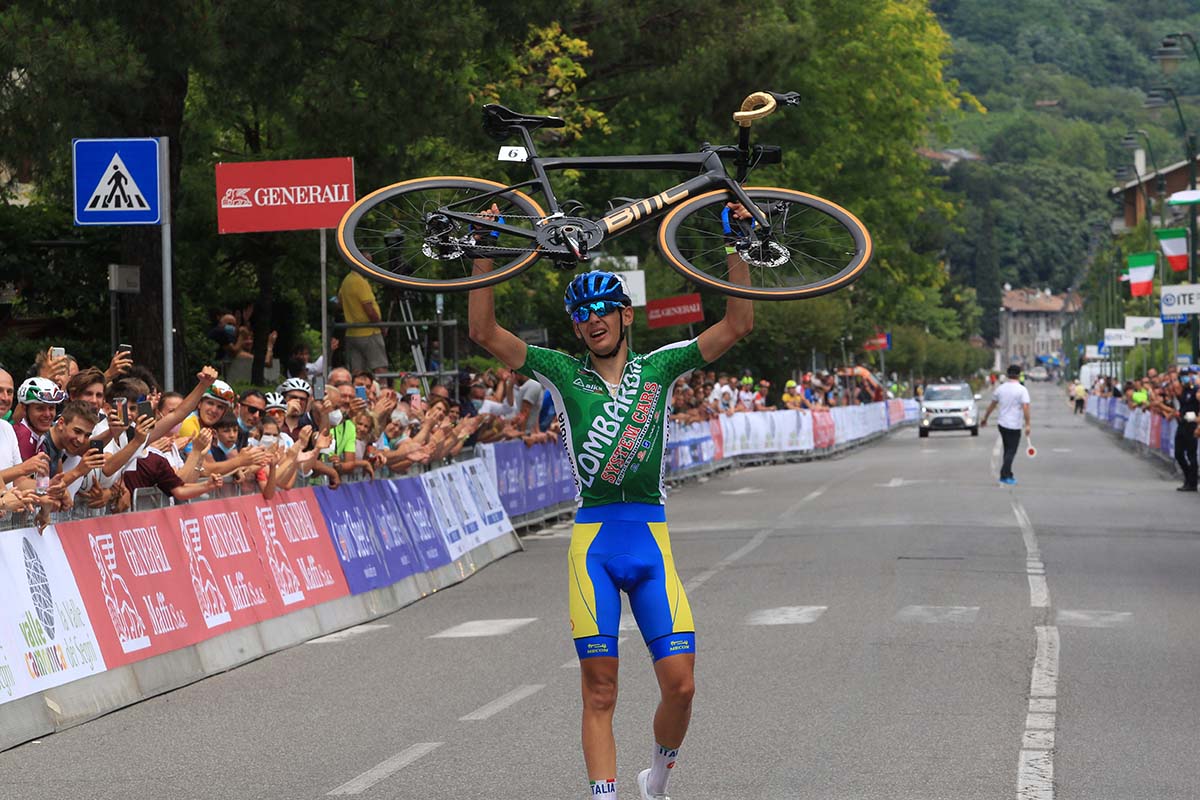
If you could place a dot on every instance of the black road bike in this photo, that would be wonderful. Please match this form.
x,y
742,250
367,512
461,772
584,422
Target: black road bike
x,y
424,234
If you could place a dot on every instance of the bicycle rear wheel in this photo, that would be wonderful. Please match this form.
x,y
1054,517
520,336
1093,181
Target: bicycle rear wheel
x,y
814,246
420,234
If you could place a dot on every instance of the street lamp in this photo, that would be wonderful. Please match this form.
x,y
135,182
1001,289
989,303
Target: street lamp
x,y
1170,55
1158,98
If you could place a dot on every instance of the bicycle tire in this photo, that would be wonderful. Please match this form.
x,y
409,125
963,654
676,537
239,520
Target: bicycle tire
x,y
404,259
825,247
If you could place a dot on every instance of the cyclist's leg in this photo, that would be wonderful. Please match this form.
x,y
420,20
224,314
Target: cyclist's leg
x,y
665,618
595,605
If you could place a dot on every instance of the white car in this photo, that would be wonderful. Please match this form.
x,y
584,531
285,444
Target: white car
x,y
948,407
1038,373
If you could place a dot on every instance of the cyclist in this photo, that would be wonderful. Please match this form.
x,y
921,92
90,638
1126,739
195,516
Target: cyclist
x,y
613,407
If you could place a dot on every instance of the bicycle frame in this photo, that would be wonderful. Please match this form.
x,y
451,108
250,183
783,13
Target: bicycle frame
x,y
632,213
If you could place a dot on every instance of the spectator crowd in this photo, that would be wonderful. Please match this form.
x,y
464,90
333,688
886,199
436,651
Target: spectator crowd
x,y
1171,395
84,440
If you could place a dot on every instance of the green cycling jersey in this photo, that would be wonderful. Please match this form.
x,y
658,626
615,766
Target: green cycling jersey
x,y
615,436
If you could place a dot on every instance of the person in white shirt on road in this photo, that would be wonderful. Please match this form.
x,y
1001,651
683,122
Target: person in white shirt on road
x,y
1013,400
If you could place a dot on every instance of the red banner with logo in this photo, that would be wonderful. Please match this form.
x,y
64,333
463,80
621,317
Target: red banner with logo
x,y
1156,431
160,580
718,439
823,430
678,310
296,550
295,195
895,412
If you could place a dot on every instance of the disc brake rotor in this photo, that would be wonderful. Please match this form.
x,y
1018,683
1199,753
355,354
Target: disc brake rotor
x,y
764,254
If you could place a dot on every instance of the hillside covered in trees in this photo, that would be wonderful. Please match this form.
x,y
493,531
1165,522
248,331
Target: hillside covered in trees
x,y
1061,82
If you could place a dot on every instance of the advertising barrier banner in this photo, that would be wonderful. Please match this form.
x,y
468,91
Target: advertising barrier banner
x,y
294,547
46,634
359,551
824,430
428,544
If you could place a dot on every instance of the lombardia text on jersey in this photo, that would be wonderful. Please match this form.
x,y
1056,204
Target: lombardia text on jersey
x,y
616,440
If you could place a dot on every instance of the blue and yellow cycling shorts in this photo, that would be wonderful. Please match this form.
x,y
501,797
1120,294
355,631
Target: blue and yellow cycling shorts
x,y
625,547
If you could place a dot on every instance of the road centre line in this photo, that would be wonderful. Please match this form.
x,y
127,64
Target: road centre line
x,y
500,703
385,769
1035,569
1035,763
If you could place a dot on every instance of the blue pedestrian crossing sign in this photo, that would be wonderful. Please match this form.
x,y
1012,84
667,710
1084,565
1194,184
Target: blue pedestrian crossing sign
x,y
117,181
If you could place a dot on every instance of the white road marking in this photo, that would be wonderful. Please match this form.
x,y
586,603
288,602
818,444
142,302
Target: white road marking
x,y
933,614
1035,764
1061,450
1035,775
483,627
1039,592
1083,618
349,633
500,703
786,615
930,450
743,490
696,581
385,769
1043,681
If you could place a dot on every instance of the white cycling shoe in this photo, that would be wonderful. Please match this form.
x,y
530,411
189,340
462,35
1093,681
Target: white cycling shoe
x,y
645,793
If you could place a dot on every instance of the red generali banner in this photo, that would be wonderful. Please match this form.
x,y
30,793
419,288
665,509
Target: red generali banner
x,y
156,581
824,432
283,195
678,310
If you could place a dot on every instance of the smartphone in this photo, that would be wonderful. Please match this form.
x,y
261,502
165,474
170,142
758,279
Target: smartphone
x,y
145,409
41,484
125,348
122,406
57,352
360,392
96,446
318,385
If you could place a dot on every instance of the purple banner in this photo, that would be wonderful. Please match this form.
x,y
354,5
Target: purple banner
x,y
390,528
510,476
353,532
410,499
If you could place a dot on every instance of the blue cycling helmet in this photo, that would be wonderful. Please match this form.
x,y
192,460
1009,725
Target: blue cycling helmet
x,y
588,287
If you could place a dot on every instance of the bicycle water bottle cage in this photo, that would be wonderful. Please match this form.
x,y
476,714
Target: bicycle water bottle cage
x,y
500,122
624,201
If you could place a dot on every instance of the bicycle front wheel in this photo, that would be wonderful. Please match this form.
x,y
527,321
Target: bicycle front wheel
x,y
814,246
424,234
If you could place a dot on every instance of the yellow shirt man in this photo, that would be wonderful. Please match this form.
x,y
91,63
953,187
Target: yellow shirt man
x,y
356,298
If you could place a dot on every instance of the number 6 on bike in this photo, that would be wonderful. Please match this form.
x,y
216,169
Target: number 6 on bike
x,y
423,234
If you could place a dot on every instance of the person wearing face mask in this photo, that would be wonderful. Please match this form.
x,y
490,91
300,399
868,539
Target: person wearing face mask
x,y
225,334
1187,408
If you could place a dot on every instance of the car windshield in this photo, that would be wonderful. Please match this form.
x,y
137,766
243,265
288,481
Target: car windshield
x,y
934,393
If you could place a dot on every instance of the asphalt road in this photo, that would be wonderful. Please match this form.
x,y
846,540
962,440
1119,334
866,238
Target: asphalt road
x,y
931,634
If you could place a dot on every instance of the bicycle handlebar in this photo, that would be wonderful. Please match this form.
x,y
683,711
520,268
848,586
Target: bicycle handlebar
x,y
756,106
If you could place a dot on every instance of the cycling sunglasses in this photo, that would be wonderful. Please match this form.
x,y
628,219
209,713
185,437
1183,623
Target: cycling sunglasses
x,y
602,308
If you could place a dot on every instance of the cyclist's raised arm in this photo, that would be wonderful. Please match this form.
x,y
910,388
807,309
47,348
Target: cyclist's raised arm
x,y
738,321
484,330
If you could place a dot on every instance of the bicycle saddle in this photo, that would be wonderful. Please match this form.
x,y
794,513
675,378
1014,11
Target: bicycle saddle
x,y
499,121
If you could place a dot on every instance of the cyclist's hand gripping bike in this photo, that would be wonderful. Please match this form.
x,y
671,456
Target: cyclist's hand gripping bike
x,y
424,234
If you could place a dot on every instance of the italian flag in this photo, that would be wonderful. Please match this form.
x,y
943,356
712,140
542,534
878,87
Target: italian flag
x,y
1173,242
1139,271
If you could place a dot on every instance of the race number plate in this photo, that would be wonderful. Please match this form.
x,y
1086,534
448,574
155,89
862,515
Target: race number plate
x,y
510,153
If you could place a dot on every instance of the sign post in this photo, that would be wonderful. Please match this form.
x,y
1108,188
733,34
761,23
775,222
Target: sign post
x,y
127,182
168,315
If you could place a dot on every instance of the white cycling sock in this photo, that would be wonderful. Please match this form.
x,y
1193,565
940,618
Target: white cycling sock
x,y
604,789
660,769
